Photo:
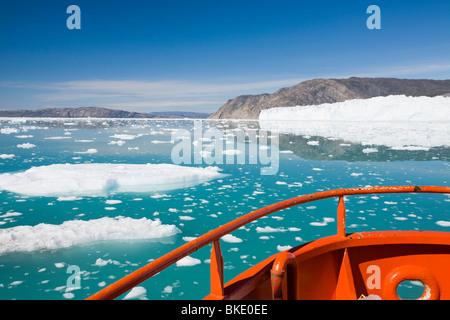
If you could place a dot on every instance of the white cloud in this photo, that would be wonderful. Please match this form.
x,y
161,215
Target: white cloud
x,y
138,95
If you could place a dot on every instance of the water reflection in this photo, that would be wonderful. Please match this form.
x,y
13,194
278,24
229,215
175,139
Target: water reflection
x,y
354,141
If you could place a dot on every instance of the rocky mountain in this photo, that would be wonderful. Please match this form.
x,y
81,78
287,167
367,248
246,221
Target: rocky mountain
x,y
95,112
318,91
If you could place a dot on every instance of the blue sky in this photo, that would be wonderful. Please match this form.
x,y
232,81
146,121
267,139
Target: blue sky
x,y
195,55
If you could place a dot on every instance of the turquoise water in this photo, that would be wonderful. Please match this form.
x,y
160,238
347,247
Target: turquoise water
x,y
303,168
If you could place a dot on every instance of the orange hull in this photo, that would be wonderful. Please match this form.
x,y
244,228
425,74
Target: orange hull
x,y
343,266
346,268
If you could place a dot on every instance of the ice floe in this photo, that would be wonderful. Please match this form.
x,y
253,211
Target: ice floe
x,y
231,239
7,156
26,145
99,179
75,232
188,261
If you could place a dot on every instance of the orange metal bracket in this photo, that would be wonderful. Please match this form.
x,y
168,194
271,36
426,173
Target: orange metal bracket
x,y
284,264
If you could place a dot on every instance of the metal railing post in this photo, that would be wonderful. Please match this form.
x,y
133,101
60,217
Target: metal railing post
x,y
341,217
216,270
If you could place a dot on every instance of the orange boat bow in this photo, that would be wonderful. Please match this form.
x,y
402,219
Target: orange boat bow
x,y
336,267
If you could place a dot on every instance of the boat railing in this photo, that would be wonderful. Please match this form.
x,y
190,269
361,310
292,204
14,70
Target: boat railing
x,y
216,268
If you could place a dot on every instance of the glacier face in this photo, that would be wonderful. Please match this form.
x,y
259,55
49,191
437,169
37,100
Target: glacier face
x,y
394,121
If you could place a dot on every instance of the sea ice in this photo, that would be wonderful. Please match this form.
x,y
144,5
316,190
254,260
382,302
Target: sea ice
x,y
283,248
100,179
88,151
136,293
7,156
26,145
74,232
231,239
443,223
188,261
8,130
268,229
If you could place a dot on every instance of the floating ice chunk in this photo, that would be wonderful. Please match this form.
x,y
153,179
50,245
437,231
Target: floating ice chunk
x,y
113,201
168,289
318,224
186,218
68,295
7,156
119,143
136,293
26,145
69,198
101,263
411,148
369,150
157,196
8,130
187,239
188,261
100,179
10,214
74,232
269,229
57,138
325,222
283,248
231,239
125,136
88,151
443,223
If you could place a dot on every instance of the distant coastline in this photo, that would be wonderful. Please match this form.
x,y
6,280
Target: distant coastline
x,y
96,112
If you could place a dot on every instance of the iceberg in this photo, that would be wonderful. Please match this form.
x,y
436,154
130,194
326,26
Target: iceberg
x,y
391,108
102,179
399,122
75,232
